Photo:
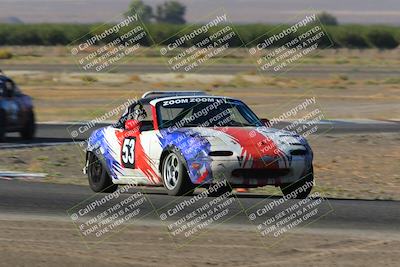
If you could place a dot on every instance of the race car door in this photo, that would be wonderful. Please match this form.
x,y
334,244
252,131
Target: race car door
x,y
135,160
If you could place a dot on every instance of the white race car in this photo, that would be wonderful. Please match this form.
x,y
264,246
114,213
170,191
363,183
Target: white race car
x,y
184,140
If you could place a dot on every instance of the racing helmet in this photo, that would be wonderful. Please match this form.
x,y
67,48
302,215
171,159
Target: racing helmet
x,y
138,113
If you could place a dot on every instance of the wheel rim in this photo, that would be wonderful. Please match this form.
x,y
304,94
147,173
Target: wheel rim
x,y
171,171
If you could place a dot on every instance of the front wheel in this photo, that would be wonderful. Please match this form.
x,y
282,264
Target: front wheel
x,y
99,180
301,188
28,130
2,126
175,176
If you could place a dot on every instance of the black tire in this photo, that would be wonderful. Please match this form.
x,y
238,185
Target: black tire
x,y
99,180
28,130
2,126
220,191
182,184
290,189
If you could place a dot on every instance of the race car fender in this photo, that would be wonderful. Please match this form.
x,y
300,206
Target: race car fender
x,y
99,156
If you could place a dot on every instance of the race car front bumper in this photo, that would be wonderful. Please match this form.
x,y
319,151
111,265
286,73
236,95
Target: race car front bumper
x,y
255,177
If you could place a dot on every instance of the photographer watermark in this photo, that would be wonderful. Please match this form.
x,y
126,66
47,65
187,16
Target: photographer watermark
x,y
303,117
275,218
103,215
281,49
189,51
283,141
77,130
189,217
102,49
198,117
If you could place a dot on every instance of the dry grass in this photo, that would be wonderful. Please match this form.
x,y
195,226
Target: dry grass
x,y
5,54
89,78
134,78
342,57
60,96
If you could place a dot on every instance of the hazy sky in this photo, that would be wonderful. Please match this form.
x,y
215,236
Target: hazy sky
x,y
347,11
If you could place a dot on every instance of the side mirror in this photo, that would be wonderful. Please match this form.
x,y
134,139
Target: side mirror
x,y
133,125
266,122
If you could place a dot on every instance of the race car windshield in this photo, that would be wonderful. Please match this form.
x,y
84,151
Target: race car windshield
x,y
205,112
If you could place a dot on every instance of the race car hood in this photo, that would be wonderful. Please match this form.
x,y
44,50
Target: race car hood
x,y
255,143
250,136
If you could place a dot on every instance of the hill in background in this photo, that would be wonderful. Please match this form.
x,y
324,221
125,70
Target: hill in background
x,y
11,20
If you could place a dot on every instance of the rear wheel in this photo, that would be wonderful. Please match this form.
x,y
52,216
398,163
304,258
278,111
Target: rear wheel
x,y
301,188
99,180
175,176
28,130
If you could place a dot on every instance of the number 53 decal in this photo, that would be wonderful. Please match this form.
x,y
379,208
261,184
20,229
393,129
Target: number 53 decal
x,y
128,153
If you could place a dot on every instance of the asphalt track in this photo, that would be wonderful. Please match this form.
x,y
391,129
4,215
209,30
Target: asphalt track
x,y
300,71
61,133
20,198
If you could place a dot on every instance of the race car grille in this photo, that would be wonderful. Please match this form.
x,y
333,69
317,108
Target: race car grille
x,y
220,153
259,173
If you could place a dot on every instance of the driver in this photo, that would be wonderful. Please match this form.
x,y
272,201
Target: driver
x,y
9,88
138,113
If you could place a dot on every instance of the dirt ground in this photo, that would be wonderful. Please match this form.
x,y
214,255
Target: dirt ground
x,y
361,166
57,243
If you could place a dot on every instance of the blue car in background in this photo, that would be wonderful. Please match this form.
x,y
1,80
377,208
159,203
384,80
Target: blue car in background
x,y
16,110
